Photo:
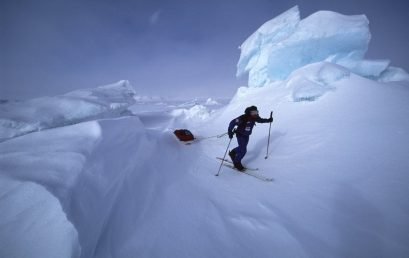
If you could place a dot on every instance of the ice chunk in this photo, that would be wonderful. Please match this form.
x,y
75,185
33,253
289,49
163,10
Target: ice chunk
x,y
22,117
312,81
394,74
322,35
149,99
284,44
269,33
366,68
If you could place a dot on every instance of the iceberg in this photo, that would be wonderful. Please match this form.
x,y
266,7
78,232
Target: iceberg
x,y
287,43
22,117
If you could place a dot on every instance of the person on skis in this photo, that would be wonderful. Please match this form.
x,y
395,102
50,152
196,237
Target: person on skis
x,y
244,125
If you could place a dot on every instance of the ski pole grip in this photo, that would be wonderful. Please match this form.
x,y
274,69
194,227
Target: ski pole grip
x,y
271,114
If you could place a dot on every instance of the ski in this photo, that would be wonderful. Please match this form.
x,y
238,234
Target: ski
x,y
247,171
250,173
228,161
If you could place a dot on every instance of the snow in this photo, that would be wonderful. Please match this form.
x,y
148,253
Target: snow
x,y
124,187
286,43
394,74
314,80
22,117
211,102
197,112
32,223
38,172
109,179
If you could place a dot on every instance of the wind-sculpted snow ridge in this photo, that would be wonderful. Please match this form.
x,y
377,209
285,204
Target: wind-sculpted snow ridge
x,y
22,117
195,113
287,43
314,80
92,190
38,172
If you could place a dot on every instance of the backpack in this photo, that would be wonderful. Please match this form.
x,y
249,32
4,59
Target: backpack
x,y
184,135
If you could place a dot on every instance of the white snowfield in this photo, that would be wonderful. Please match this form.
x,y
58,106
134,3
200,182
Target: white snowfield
x,y
125,187
287,43
109,179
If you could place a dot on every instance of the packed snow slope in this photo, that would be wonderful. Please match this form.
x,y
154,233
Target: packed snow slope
x,y
125,187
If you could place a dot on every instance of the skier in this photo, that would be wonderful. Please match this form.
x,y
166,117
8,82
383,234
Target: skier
x,y
245,124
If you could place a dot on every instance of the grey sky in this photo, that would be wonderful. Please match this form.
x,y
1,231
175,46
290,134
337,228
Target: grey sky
x,y
169,48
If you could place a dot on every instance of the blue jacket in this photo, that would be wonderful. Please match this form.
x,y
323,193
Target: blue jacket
x,y
245,124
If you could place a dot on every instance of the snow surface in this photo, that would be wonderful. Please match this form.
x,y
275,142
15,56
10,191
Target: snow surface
x,y
125,187
287,43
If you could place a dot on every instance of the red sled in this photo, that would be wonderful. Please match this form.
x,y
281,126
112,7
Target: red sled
x,y
184,135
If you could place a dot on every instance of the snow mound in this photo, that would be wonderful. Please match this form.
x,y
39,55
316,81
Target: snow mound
x,y
307,83
22,117
195,113
33,223
287,43
38,173
211,102
314,80
394,74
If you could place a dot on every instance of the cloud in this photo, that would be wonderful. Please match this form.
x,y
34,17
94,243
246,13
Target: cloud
x,y
155,17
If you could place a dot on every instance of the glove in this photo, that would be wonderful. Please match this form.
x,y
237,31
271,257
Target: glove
x,y
231,135
270,120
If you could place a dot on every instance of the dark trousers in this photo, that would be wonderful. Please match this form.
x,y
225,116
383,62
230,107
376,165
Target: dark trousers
x,y
241,150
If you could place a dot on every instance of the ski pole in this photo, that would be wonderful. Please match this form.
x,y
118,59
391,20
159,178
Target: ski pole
x,y
224,157
269,131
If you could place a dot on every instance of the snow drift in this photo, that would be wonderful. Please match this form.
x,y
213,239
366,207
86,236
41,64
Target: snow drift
x,y
112,188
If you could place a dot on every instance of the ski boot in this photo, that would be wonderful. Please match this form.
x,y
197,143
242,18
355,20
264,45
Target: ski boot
x,y
239,166
232,155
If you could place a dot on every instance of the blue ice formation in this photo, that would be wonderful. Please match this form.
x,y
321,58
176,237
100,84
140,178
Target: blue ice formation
x,y
286,43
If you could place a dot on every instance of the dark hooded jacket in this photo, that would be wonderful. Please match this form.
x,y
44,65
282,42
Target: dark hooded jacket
x,y
245,124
